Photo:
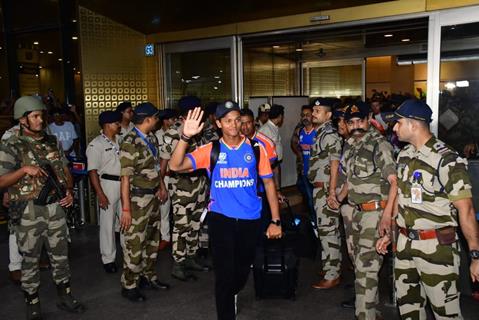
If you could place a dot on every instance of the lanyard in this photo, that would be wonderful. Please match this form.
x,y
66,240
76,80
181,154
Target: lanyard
x,y
111,143
148,143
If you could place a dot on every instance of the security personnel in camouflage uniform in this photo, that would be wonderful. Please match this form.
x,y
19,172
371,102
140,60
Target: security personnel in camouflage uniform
x,y
323,174
371,187
140,218
188,198
26,160
434,196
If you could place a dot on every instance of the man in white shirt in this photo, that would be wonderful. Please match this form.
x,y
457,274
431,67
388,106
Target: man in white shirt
x,y
103,154
271,130
65,132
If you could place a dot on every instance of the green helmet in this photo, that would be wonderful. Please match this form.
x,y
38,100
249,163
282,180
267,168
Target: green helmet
x,y
27,104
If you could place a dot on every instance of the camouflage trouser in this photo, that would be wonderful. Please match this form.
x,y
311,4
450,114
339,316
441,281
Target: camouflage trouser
x,y
328,231
425,270
187,209
347,211
43,225
141,240
367,262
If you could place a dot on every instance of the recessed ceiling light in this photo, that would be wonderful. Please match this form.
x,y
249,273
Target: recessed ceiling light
x,y
276,47
406,40
74,20
60,59
36,43
219,81
388,35
50,52
41,51
299,49
39,67
74,38
195,77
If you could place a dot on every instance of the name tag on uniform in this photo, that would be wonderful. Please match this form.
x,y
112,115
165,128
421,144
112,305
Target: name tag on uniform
x,y
416,193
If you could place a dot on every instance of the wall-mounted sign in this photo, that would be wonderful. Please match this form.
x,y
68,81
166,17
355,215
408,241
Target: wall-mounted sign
x,y
149,50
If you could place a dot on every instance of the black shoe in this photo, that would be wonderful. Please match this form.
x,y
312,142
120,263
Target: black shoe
x,y
66,301
133,295
110,267
153,285
349,304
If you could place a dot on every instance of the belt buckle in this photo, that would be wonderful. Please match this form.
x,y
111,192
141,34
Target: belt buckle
x,y
413,235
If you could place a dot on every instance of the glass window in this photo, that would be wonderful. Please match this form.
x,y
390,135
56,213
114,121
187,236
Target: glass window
x,y
459,86
333,81
269,71
205,74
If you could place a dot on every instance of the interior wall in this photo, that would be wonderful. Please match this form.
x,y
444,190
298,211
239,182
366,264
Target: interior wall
x,y
383,74
113,67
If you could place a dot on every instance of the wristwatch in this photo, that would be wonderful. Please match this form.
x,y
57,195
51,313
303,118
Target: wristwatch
x,y
278,223
474,254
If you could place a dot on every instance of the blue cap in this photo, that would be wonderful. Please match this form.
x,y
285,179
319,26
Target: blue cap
x,y
123,106
413,109
109,117
167,114
358,109
339,112
146,109
188,103
224,108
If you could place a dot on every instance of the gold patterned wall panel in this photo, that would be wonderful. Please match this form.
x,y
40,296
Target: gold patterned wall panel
x,y
114,67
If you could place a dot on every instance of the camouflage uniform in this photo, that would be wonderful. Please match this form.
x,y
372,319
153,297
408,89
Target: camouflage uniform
x,y
188,198
326,148
141,240
39,224
424,269
346,210
368,163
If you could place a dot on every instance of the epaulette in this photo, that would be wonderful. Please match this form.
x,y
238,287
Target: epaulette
x,y
443,149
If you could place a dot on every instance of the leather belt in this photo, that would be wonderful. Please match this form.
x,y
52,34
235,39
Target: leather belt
x,y
110,177
318,184
423,234
141,191
372,206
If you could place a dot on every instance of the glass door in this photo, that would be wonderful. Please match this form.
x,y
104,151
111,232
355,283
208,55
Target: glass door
x,y
204,68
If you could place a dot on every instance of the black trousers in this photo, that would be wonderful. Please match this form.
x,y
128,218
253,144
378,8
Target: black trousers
x,y
233,243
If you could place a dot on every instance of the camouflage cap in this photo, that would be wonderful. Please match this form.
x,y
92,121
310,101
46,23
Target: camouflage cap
x,y
27,104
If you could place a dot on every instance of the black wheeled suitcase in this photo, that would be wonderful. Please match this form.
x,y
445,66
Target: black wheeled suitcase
x,y
275,270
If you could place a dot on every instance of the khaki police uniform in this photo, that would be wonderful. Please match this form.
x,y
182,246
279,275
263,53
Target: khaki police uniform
x,y
166,206
104,156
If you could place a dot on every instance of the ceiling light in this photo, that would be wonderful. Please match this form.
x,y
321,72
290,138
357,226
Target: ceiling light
x,y
60,59
406,40
36,43
450,85
21,67
216,88
276,47
41,51
36,75
219,81
462,84
50,52
74,38
216,77
195,77
388,35
78,72
39,67
74,20
299,49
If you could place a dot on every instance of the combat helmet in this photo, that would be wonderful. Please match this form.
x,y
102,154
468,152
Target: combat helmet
x,y
27,104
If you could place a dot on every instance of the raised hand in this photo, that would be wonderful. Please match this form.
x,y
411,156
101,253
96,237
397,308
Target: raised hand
x,y
193,125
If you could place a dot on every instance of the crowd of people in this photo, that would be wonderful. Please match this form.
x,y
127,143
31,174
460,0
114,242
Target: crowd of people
x,y
374,167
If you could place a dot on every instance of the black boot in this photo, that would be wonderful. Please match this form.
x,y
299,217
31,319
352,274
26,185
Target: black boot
x,y
33,306
66,301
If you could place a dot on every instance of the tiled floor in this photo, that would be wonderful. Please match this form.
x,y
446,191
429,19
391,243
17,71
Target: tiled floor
x,y
194,300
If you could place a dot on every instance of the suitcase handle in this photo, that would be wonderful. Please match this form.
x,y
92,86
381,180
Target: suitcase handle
x,y
265,256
